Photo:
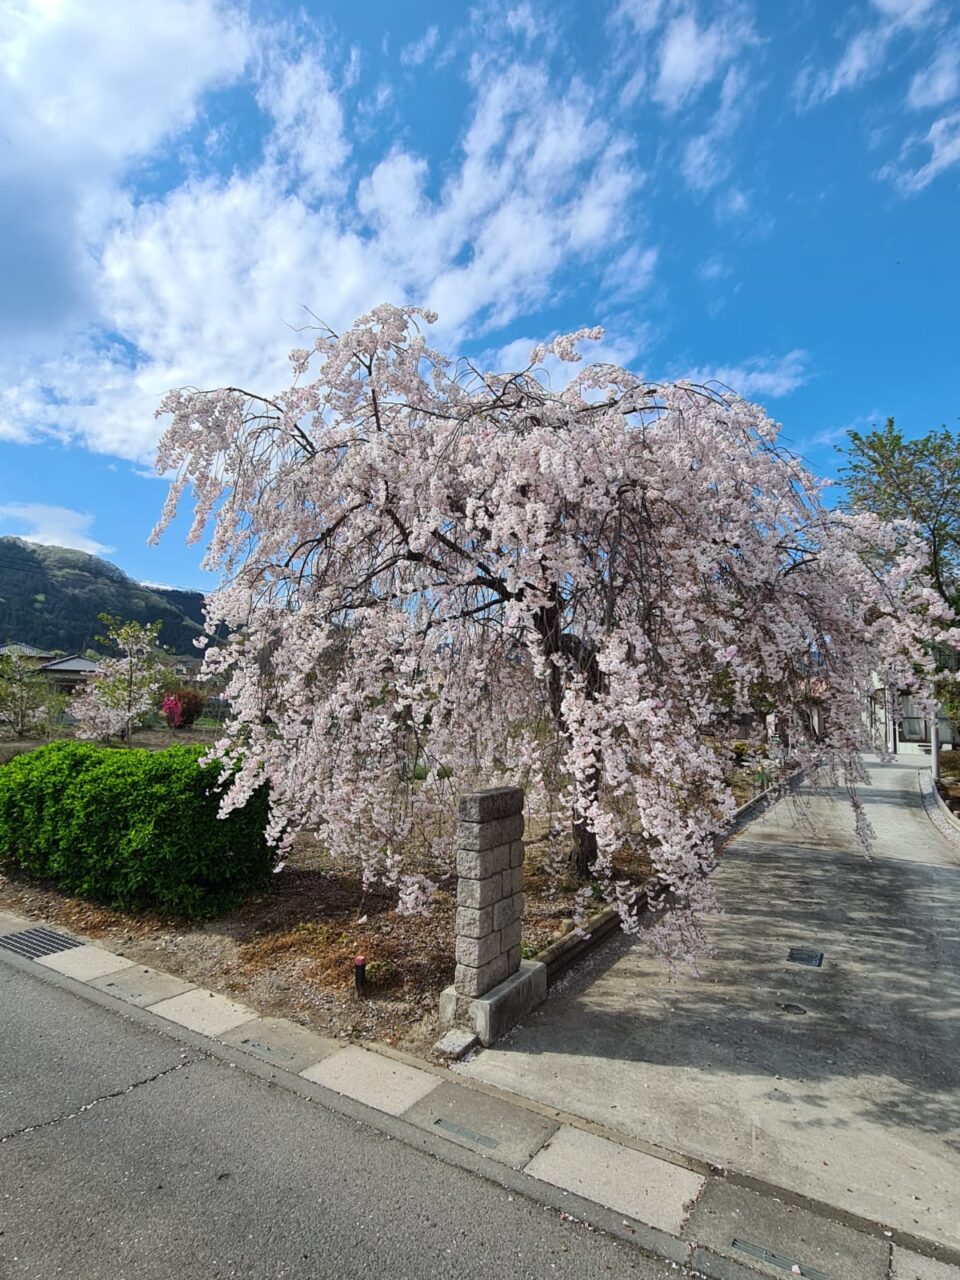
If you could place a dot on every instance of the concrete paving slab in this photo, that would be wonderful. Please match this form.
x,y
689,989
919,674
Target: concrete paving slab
x,y
203,1011
728,1216
912,1266
625,1180
85,963
13,924
141,986
483,1124
374,1079
281,1043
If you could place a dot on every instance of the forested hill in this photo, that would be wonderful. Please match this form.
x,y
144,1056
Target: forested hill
x,y
50,598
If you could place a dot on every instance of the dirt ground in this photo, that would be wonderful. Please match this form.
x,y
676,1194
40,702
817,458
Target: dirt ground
x,y
289,951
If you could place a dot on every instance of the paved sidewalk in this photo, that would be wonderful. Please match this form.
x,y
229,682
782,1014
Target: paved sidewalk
x,y
839,1083
699,1121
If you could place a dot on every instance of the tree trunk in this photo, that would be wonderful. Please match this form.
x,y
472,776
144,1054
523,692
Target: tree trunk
x,y
584,850
583,657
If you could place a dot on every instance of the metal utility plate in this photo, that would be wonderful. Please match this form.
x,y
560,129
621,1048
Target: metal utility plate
x,y
805,955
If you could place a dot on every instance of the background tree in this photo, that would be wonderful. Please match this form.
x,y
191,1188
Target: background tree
x,y
23,693
428,564
124,690
917,480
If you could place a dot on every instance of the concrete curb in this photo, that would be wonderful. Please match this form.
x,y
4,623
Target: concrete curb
x,y
944,808
682,1249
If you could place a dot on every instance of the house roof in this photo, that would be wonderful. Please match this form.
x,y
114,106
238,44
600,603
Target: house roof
x,y
72,665
16,650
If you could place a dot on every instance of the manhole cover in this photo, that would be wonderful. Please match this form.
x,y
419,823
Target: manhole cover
x,y
805,955
37,942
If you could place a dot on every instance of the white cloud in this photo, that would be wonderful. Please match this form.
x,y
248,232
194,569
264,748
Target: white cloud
x,y
939,81
712,269
863,58
417,52
943,140
81,99
708,157
867,51
200,280
521,20
643,15
762,376
557,374
307,144
630,273
52,526
905,12
833,435
692,56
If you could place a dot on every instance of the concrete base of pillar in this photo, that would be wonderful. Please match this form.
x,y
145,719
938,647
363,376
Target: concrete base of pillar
x,y
493,1014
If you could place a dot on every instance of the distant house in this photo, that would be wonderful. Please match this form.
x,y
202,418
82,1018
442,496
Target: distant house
x,y
68,674
911,733
30,656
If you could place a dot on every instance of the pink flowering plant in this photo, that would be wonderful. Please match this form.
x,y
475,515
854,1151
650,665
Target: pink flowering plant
x,y
438,577
172,709
124,688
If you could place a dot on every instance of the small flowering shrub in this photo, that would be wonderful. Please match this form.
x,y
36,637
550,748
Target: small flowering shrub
x,y
132,828
192,703
173,711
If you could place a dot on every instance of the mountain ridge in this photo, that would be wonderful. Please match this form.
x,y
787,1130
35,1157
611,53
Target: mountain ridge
x,y
50,597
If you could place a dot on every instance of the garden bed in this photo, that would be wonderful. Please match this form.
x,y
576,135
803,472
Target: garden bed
x,y
289,951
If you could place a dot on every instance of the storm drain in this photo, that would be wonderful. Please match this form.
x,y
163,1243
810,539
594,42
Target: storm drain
x,y
805,955
777,1260
34,943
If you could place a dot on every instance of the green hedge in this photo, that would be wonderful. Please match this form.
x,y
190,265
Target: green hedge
x,y
131,828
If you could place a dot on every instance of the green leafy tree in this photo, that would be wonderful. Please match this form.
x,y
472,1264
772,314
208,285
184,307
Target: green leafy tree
x,y
917,480
22,695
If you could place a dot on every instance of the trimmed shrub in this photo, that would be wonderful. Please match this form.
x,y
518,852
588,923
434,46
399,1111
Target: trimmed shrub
x,y
131,828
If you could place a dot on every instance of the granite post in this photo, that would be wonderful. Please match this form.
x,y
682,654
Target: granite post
x,y
492,988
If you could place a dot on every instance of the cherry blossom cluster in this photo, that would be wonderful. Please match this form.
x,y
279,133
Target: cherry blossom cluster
x,y
437,577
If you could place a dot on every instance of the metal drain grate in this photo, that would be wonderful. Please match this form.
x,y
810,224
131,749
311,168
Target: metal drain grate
x,y
805,955
479,1138
776,1260
37,942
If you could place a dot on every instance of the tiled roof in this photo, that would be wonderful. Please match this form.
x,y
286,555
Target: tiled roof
x,y
22,651
75,664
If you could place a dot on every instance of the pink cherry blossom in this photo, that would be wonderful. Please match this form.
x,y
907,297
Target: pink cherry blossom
x,y
437,577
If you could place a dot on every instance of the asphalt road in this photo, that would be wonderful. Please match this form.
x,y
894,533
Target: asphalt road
x,y
126,1155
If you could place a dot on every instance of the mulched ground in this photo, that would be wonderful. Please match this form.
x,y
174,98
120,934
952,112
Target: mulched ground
x,y
289,951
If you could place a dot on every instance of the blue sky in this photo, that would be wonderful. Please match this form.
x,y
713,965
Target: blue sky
x,y
765,194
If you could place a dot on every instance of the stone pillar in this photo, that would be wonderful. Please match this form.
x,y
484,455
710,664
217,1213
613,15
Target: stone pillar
x,y
489,889
493,987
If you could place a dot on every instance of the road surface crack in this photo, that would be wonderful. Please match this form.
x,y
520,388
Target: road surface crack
x,y
88,1106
